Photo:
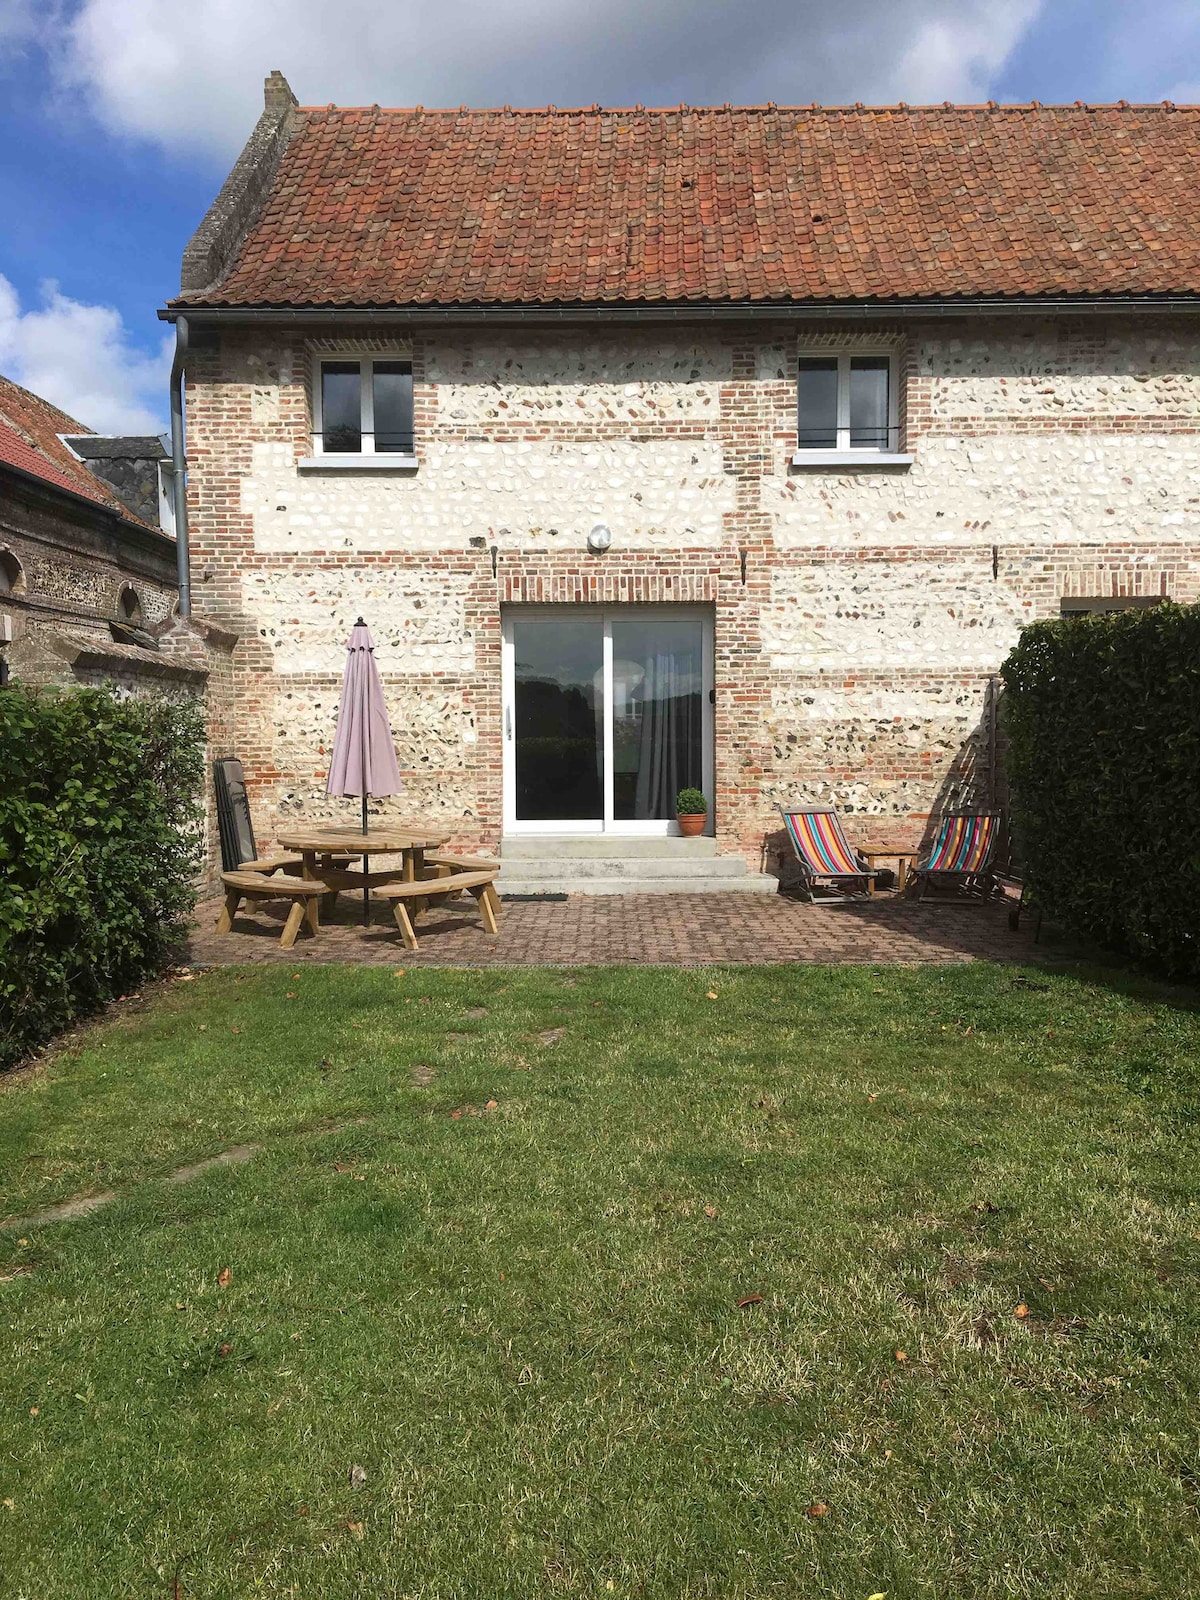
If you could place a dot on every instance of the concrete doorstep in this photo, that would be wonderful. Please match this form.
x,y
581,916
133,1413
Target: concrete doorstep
x,y
532,864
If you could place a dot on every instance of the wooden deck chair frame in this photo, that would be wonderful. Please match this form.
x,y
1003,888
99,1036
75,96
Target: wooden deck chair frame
x,y
819,879
974,882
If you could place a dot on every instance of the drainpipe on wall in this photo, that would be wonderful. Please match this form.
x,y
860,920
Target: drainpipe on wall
x,y
179,468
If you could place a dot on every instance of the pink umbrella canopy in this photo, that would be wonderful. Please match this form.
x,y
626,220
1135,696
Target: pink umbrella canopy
x,y
364,756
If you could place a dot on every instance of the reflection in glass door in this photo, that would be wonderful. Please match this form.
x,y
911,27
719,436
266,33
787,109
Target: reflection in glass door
x,y
555,718
607,716
657,715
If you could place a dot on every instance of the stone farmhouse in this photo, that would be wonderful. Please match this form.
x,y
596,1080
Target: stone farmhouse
x,y
717,446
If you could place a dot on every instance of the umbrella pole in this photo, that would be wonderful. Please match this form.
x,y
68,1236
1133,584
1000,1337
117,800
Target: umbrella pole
x,y
366,866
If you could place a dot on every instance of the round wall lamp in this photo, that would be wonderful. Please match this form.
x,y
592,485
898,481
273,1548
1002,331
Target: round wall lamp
x,y
599,539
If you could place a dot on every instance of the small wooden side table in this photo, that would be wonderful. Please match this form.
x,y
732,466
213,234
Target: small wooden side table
x,y
902,858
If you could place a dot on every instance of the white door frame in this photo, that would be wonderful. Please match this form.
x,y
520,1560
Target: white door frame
x,y
607,615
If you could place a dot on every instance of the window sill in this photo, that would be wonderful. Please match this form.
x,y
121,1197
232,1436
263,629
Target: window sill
x,y
850,458
349,463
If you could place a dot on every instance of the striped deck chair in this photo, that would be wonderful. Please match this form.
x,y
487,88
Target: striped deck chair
x,y
830,870
961,858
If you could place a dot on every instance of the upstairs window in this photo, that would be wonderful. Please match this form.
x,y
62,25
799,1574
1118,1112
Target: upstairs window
x,y
364,408
847,403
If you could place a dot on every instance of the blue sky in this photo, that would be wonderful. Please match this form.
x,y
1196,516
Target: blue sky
x,y
120,118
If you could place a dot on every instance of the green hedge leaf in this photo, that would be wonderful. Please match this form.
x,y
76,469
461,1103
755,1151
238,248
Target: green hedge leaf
x,y
97,871
1102,720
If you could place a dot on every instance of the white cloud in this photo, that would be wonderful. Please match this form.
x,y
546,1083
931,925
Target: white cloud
x,y
956,58
79,357
190,77
18,21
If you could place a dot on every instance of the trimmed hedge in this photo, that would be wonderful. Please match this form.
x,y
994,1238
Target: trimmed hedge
x,y
99,848
1102,716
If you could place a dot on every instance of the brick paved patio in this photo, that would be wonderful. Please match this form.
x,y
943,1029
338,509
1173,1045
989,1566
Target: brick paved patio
x,y
665,930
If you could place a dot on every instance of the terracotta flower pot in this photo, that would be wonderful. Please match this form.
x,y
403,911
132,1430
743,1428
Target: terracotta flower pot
x,y
690,826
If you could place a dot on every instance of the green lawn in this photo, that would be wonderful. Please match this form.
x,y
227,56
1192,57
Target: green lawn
x,y
523,1324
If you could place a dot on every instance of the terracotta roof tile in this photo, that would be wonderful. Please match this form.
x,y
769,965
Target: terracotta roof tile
x,y
29,439
414,207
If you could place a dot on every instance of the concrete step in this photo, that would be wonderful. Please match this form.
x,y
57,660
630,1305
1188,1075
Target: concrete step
x,y
515,883
606,863
575,847
692,868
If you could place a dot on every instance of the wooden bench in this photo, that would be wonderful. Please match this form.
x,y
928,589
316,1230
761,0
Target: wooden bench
x,y
440,866
463,863
302,892
432,891
269,864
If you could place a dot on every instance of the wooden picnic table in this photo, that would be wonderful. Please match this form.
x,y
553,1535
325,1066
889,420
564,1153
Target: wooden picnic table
x,y
319,846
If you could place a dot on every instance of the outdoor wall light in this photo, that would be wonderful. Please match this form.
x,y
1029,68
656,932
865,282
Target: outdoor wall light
x,y
599,539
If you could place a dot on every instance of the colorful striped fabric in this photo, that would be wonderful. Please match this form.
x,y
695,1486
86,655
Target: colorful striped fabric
x,y
965,844
821,844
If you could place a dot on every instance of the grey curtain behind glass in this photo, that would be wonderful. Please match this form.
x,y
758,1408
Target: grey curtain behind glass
x,y
670,757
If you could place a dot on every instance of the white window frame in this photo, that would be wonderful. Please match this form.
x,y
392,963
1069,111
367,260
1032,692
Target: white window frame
x,y
367,455
166,497
606,823
843,453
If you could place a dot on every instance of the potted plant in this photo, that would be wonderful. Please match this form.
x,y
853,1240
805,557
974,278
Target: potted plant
x,y
691,808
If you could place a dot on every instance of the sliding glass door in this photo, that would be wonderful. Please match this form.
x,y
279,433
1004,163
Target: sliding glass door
x,y
607,715
556,720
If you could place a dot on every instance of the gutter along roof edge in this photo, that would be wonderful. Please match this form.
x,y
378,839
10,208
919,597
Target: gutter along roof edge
x,y
683,311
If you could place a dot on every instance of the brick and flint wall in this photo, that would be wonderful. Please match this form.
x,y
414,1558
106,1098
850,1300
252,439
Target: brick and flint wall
x,y
853,658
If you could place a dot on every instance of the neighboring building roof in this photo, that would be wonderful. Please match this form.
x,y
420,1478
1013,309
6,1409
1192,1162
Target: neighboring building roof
x,y
29,439
131,465
16,452
118,446
371,207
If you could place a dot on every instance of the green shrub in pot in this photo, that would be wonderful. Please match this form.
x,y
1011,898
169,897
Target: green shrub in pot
x,y
691,808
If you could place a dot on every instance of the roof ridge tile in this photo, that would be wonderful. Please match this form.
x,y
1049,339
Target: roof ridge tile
x,y
858,107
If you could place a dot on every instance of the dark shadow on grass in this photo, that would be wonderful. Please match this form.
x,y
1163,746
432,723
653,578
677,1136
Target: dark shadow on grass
x,y
949,926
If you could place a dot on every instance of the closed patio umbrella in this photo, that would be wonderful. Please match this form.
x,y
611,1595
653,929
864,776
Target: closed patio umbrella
x,y
364,756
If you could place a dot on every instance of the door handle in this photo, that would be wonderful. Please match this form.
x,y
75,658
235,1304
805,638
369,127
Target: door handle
x,y
508,722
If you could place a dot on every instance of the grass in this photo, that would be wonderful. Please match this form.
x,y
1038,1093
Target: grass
x,y
523,1324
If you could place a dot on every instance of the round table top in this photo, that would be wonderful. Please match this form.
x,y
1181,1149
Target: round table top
x,y
378,841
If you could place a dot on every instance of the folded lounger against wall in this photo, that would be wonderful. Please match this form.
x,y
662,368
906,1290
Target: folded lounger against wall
x,y
961,858
830,869
241,863
239,851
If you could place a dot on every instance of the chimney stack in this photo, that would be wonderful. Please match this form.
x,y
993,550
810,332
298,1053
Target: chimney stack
x,y
277,93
